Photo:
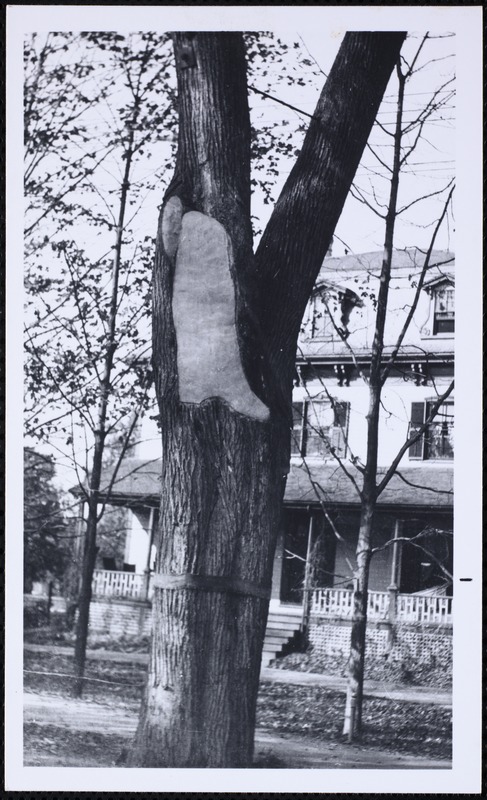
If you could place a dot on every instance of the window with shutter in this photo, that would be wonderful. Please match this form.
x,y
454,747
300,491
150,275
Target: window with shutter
x,y
318,427
439,433
436,443
417,419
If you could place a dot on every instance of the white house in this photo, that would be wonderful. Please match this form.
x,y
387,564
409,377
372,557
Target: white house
x,y
319,524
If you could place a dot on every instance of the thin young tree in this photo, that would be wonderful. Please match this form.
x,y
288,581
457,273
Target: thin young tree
x,y
225,331
371,481
380,368
86,330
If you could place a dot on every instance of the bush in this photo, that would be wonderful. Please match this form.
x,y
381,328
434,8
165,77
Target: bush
x,y
35,612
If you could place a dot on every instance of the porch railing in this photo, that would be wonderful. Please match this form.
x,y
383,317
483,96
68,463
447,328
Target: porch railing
x,y
112,583
338,603
330,603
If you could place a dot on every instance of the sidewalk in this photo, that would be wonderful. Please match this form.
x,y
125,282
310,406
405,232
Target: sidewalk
x,y
413,694
390,691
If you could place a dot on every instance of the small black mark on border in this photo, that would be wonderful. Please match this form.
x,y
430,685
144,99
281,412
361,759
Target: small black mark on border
x,y
466,579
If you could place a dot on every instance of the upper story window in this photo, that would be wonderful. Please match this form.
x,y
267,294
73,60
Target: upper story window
x,y
441,314
444,313
320,428
436,443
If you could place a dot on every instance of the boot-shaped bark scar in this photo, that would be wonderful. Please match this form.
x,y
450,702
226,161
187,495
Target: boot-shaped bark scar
x,y
203,305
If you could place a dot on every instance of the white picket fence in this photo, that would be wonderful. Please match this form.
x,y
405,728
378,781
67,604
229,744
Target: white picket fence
x,y
112,583
338,603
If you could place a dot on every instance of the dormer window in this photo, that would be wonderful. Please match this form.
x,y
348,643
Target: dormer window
x,y
444,313
328,312
318,325
441,314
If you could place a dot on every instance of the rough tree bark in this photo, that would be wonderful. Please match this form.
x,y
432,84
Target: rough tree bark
x,y
225,332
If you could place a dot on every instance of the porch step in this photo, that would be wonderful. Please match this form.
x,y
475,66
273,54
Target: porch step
x,y
281,639
281,629
291,624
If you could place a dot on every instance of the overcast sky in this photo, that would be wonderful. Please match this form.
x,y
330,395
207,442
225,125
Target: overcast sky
x,y
320,31
432,164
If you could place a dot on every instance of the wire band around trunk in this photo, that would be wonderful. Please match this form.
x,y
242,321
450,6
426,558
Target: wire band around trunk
x,y
210,583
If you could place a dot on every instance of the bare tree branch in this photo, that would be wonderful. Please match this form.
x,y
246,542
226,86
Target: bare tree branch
x,y
413,541
407,322
414,438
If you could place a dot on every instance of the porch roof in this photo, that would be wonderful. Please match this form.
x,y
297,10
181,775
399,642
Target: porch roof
x,y
427,486
137,483
419,486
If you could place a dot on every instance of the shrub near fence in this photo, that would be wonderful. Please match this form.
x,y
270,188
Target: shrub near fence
x,y
36,613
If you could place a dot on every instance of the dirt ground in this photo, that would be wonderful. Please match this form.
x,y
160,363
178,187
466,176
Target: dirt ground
x,y
65,732
299,717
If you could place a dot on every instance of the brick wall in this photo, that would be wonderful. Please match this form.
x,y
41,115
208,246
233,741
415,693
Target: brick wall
x,y
420,643
120,618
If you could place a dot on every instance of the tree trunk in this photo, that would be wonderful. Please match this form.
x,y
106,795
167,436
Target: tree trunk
x,y
356,663
225,412
84,601
223,453
199,708
90,548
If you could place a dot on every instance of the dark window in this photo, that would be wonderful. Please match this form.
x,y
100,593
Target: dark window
x,y
301,541
294,556
444,314
320,427
436,443
423,559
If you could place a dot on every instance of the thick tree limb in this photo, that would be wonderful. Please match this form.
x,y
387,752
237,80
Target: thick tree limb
x,y
298,234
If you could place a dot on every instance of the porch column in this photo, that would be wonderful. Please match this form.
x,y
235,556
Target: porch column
x,y
393,587
147,571
307,574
